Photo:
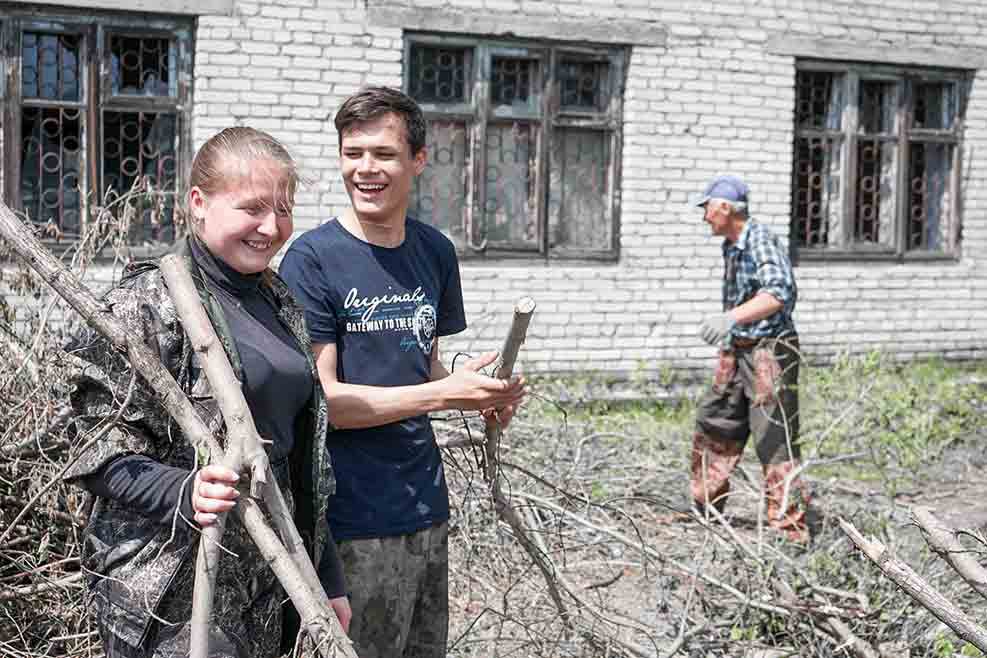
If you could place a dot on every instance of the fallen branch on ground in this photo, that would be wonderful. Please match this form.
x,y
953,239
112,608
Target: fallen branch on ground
x,y
917,588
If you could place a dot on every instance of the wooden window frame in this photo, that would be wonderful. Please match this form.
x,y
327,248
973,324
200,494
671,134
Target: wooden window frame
x,y
94,28
849,133
547,117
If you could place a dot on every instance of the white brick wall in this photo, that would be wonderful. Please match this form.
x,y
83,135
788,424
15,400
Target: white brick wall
x,y
716,96
713,98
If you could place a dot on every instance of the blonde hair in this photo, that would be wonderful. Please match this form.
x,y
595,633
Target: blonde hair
x,y
224,162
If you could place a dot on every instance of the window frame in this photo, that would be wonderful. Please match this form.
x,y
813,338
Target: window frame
x,y
547,117
93,28
850,133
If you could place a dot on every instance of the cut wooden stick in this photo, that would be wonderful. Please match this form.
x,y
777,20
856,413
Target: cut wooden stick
x,y
508,355
913,585
515,338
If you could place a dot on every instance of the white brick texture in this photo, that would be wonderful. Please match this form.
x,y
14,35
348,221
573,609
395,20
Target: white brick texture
x,y
713,98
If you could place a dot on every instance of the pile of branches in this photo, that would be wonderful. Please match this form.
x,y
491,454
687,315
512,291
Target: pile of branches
x,y
644,575
42,519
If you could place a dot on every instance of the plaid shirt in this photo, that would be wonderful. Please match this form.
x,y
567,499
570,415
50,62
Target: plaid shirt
x,y
757,262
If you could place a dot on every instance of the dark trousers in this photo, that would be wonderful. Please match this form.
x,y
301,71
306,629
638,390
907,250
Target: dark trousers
x,y
754,394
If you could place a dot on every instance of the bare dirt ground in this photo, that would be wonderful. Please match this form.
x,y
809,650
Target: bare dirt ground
x,y
605,494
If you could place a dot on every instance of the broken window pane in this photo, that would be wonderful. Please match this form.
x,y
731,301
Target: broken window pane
x,y
875,202
935,106
578,210
929,203
509,215
142,66
439,74
817,191
50,66
439,195
819,100
582,84
139,148
51,161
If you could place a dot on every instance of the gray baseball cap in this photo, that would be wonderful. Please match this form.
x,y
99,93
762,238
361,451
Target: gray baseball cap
x,y
729,188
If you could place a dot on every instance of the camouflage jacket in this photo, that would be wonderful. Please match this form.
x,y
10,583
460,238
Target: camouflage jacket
x,y
134,563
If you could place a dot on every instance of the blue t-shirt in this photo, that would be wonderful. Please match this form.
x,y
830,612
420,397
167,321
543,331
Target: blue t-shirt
x,y
383,308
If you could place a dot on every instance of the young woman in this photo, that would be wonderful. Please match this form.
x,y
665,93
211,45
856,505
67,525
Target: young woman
x,y
140,545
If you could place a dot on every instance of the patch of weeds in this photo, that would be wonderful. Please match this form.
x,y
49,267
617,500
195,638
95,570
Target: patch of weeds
x,y
900,415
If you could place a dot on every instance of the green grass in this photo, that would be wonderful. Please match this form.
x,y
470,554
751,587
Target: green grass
x,y
897,417
901,415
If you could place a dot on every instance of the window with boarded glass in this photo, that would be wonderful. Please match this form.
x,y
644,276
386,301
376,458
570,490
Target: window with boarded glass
x,y
100,120
523,144
876,161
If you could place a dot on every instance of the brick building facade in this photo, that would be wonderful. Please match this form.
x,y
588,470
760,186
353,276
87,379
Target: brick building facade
x,y
567,139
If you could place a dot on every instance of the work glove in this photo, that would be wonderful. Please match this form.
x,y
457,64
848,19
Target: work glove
x,y
715,329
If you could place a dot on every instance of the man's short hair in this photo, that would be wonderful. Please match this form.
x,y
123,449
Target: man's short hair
x,y
372,102
736,207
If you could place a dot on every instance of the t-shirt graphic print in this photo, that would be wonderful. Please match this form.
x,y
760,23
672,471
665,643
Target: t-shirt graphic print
x,y
399,312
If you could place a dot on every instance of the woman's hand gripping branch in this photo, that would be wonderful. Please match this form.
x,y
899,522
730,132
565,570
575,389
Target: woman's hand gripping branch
x,y
213,492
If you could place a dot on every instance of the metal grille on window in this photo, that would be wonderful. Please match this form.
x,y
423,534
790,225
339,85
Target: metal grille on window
x,y
50,165
582,85
507,170
139,161
142,66
438,74
819,114
877,148
511,81
51,155
929,204
50,67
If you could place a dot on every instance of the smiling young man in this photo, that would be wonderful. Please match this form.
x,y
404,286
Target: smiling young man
x,y
755,388
379,289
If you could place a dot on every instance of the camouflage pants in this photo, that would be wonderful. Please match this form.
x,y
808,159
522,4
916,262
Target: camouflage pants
x,y
399,592
754,393
246,619
173,642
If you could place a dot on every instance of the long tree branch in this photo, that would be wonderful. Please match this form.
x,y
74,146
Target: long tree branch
x,y
244,448
241,437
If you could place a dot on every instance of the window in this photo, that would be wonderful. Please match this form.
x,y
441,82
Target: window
x,y
94,107
523,145
877,154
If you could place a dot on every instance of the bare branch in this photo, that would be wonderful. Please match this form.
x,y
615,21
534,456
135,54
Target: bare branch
x,y
917,588
945,542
